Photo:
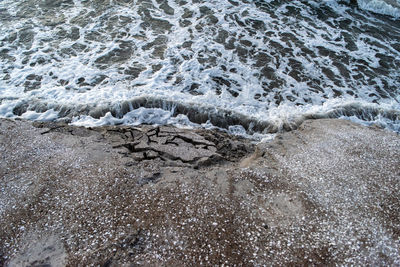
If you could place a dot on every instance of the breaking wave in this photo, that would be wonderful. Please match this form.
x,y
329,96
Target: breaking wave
x,y
150,110
385,7
244,66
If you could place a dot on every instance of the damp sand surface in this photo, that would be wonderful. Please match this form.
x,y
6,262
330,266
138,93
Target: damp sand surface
x,y
327,193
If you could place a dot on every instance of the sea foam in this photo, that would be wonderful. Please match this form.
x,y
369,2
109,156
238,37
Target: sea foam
x,y
259,66
385,7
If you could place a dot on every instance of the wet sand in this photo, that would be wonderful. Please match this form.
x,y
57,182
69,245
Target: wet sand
x,y
327,193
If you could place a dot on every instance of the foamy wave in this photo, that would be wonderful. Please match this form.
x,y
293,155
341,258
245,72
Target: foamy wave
x,y
159,111
385,7
224,62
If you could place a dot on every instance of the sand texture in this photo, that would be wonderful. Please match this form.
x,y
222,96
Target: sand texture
x,y
327,193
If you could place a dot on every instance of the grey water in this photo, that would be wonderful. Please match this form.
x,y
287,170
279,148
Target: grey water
x,y
256,66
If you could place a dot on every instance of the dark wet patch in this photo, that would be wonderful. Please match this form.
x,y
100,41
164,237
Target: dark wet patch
x,y
122,53
134,71
32,82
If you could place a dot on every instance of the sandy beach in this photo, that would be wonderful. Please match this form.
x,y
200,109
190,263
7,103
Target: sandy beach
x,y
325,194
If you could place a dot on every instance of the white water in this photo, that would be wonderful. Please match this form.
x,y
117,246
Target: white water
x,y
275,63
385,7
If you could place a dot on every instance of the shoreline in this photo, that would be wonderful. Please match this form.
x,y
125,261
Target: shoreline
x,y
326,193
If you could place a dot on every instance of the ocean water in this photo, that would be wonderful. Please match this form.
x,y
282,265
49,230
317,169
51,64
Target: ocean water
x,y
250,67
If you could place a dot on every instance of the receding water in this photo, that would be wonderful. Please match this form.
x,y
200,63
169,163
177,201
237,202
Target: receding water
x,y
259,66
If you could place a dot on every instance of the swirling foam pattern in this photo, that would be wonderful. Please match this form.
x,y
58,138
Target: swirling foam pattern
x,y
269,63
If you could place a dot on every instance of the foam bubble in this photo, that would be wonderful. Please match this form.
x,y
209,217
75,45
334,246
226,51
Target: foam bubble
x,y
49,115
385,7
255,64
